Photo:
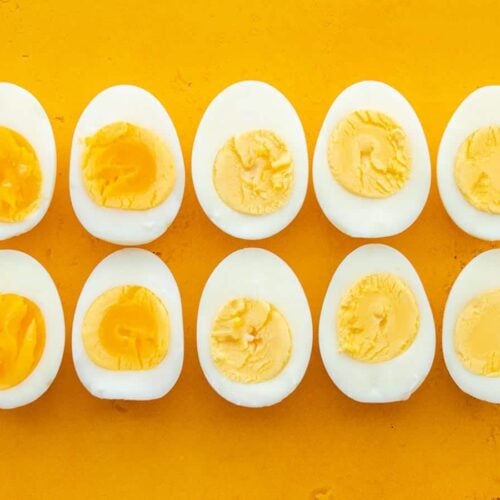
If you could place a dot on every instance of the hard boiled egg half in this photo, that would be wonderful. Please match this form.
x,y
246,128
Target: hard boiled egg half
x,y
250,163
254,330
126,168
128,340
376,330
371,166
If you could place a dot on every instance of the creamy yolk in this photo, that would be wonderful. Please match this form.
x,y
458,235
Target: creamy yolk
x,y
129,167
22,338
20,177
378,318
477,169
369,154
250,341
126,328
253,173
477,335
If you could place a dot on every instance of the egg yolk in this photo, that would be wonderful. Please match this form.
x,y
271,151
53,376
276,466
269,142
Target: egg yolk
x,y
22,338
129,167
20,177
126,328
369,154
378,318
477,169
253,173
477,334
250,341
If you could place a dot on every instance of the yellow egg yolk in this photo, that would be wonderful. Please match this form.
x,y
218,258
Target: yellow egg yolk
x,y
477,334
477,169
22,338
378,318
129,167
369,154
253,173
20,177
126,328
250,341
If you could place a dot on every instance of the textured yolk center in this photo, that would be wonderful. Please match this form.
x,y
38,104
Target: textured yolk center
x,y
477,169
22,338
477,335
368,154
126,166
378,318
253,173
20,177
126,328
250,341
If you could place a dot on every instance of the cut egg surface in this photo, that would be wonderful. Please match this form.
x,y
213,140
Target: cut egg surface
x,y
250,161
371,165
31,329
376,329
126,169
128,340
27,161
254,329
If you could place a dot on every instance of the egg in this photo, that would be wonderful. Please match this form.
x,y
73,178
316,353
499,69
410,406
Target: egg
x,y
376,329
254,329
371,166
27,161
126,169
32,326
467,164
128,340
471,340
249,161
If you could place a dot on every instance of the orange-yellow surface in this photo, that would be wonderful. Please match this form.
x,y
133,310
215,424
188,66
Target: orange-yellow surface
x,y
192,444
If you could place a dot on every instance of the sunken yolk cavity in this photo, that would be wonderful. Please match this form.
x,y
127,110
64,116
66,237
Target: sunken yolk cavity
x,y
253,173
250,341
369,154
126,328
477,335
22,338
477,169
378,318
129,167
20,177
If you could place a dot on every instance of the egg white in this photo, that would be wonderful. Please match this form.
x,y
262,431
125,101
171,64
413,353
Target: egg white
x,y
388,381
131,266
258,274
242,107
134,105
362,217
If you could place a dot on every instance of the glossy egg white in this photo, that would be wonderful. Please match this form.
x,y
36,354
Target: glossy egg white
x,y
130,266
362,217
242,107
388,381
25,276
23,113
258,274
134,105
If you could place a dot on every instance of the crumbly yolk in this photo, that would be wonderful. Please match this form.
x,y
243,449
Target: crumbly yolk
x,y
369,154
22,338
126,166
253,173
378,318
20,177
126,328
250,341
477,334
477,169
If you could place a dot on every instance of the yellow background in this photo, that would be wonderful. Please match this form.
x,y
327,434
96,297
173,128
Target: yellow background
x,y
193,444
